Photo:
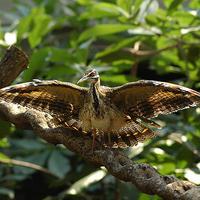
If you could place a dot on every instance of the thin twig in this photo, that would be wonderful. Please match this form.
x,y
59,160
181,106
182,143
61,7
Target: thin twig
x,y
137,52
26,164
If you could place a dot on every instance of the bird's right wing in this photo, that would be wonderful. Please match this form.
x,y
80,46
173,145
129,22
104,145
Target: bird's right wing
x,y
61,100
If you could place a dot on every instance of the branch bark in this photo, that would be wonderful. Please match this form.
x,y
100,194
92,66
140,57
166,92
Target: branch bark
x,y
11,65
143,176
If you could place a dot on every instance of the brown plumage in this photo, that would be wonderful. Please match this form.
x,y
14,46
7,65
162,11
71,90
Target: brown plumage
x,y
118,116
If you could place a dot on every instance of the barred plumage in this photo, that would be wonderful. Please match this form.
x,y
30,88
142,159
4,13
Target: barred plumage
x,y
118,116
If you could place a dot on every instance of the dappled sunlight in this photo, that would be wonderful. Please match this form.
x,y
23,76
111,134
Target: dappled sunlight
x,y
192,176
10,38
84,182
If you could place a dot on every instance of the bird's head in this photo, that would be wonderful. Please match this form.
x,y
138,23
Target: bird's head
x,y
91,75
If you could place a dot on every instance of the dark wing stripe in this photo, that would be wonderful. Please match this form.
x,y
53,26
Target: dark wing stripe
x,y
129,136
152,108
126,140
62,100
50,105
143,108
148,99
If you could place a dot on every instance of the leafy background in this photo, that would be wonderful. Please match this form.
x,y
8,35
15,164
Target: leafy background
x,y
125,40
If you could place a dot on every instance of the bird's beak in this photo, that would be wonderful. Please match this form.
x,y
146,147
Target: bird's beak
x,y
84,78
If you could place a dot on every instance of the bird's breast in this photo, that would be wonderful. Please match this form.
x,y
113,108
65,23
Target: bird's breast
x,y
108,119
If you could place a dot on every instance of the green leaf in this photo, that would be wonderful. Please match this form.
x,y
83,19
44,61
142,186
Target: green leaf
x,y
103,29
58,164
42,24
27,144
147,197
5,128
38,158
85,2
125,4
184,19
115,47
24,27
4,157
174,4
156,19
4,143
167,168
61,73
101,10
38,60
117,79
35,26
59,55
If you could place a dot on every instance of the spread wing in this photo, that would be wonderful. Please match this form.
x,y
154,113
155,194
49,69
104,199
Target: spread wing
x,y
143,100
61,100
148,99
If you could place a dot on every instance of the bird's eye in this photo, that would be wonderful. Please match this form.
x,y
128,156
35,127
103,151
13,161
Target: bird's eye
x,y
92,74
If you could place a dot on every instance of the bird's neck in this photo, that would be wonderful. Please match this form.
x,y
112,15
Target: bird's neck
x,y
94,89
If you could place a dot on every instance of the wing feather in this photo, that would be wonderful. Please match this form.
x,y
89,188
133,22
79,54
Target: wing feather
x,y
148,99
62,100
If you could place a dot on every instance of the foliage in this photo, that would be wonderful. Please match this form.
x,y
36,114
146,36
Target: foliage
x,y
125,40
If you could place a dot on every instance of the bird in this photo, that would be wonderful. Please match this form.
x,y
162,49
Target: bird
x,y
117,117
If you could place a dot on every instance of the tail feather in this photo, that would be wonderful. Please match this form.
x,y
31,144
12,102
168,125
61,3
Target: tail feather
x,y
130,135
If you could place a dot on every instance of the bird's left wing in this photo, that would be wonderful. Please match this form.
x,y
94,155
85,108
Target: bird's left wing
x,y
148,99
61,100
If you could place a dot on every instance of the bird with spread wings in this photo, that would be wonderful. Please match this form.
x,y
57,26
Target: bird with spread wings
x,y
119,116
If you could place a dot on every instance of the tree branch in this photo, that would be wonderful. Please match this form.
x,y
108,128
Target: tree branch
x,y
11,65
21,163
137,52
143,176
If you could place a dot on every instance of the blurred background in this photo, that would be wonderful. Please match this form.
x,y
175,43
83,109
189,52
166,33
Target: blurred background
x,y
125,40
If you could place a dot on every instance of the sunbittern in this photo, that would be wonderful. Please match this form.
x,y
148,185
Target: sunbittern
x,y
120,116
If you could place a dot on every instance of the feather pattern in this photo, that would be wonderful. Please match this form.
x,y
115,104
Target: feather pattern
x,y
149,99
118,116
62,100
